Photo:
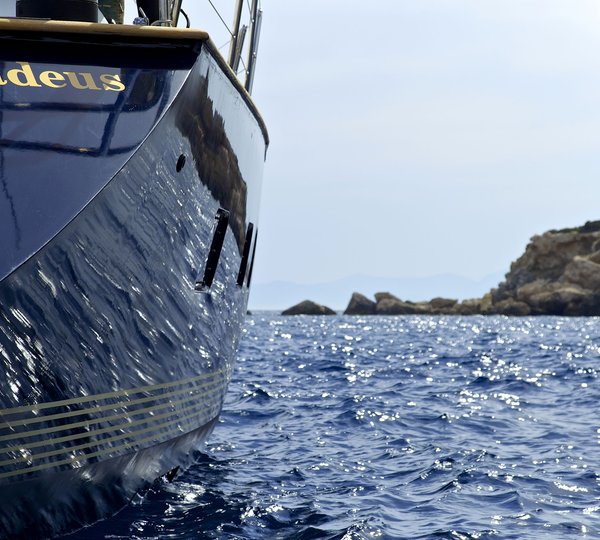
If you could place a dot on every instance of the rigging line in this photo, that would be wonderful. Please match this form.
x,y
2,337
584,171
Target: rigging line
x,y
224,45
245,69
219,15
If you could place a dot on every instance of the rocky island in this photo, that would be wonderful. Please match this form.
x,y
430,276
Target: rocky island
x,y
307,307
559,274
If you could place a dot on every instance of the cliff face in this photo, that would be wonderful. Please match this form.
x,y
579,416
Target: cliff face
x,y
559,274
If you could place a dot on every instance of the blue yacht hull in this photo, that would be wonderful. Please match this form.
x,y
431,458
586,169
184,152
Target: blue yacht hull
x,y
129,215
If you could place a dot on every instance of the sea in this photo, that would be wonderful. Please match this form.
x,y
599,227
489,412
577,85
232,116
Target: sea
x,y
406,427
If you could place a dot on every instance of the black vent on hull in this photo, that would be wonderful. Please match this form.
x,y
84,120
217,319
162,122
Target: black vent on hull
x,y
252,262
214,254
245,255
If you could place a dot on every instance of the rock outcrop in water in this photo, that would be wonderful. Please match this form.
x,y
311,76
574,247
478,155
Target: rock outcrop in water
x,y
388,304
307,307
559,274
361,305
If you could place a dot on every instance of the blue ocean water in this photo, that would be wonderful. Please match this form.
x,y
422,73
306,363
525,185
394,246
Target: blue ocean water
x,y
394,427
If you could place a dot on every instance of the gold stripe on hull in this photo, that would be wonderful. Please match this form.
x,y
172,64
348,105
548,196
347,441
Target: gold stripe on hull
x,y
10,424
81,460
107,395
195,405
107,440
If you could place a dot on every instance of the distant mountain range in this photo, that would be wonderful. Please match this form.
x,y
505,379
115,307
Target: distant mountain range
x,y
279,295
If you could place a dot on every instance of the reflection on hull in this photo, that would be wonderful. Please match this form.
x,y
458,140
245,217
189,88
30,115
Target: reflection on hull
x,y
115,365
71,499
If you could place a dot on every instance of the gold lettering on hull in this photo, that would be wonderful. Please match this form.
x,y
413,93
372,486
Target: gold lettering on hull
x,y
80,80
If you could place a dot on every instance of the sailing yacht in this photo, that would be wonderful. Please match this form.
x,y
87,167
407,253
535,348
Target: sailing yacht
x,y
131,161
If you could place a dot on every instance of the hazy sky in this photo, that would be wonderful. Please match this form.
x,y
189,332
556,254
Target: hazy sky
x,y
413,138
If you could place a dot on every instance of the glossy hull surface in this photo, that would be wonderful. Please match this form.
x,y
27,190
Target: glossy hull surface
x,y
115,364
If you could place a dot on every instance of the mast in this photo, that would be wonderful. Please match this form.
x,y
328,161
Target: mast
x,y
255,21
175,10
233,48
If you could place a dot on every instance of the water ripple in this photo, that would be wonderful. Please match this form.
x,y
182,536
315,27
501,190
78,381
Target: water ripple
x,y
413,427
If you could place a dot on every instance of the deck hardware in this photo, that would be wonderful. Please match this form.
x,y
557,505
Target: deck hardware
x,y
238,51
65,10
